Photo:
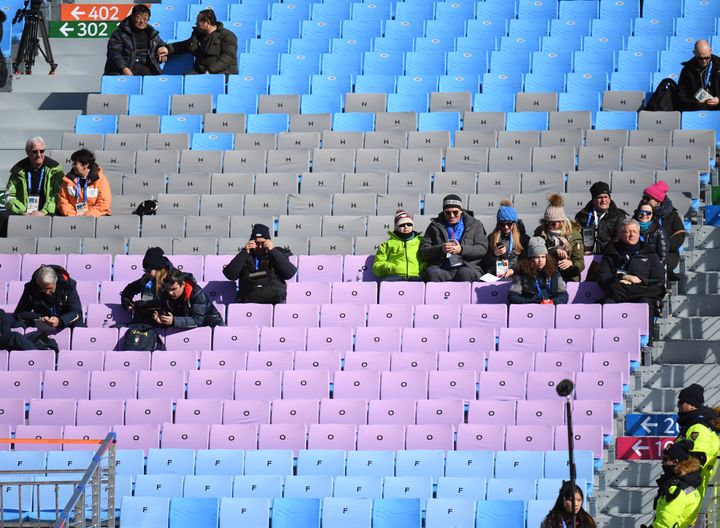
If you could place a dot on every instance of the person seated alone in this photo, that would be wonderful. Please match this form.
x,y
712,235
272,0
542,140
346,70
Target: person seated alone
x,y
135,46
699,83
50,300
398,257
185,304
85,191
537,279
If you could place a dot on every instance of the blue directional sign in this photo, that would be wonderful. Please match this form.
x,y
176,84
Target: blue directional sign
x,y
639,424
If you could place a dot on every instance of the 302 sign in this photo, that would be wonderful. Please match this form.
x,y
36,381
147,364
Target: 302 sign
x,y
60,29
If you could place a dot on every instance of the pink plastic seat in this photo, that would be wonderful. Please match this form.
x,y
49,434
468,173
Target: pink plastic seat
x,y
37,432
94,338
540,412
437,316
502,386
87,291
343,315
447,292
30,263
585,438
223,360
474,437
161,384
390,315
306,384
608,361
220,293
594,412
322,268
578,316
270,360
576,340
135,360
198,411
211,384
141,436
374,361
289,411
584,292
364,293
357,384
492,412
453,384
127,268
529,438
233,436
10,266
249,314
214,265
300,315
73,384
308,292
62,337
143,412
490,292
191,339
440,411
80,360
558,362
604,385
330,338
510,361
343,411
521,339
358,268
531,316
401,292
282,338
409,384
391,412
472,339
13,413
14,292
460,360
100,412
622,339
430,436
246,412
282,436
383,339
423,361
185,436
110,291
32,360
258,384
21,384
84,432
4,358
332,436
106,315
381,437
328,360
189,264
182,360
425,340
96,267
51,411
236,338
543,385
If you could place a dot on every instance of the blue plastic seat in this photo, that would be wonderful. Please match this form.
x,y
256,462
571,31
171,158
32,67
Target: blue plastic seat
x,y
296,513
537,10
330,84
244,511
289,84
662,8
403,28
245,30
268,46
302,46
18,460
526,121
308,486
494,102
234,104
519,44
611,43
519,464
418,84
279,30
220,9
637,61
184,29
159,485
341,63
510,489
646,43
247,84
96,124
428,45
700,9
361,28
149,104
413,11
570,102
267,124
165,85
249,11
544,82
628,81
289,13
561,44
383,63
528,27
466,62
397,513
417,487
459,83
502,83
551,62
509,62
145,512
321,462
461,487
593,61
258,64
569,28
424,63
291,64
477,44
485,29
346,512
219,462
180,123
376,83
129,461
321,103
456,10
537,510
370,463
700,120
258,486
121,84
495,10
648,27
379,11
577,9
449,121
208,486
392,44
584,82
356,486
697,27
613,120
338,11
407,103
354,122
611,27
188,512
556,464
469,463
212,141
268,461
444,28
680,43
205,84
449,512
421,462
622,10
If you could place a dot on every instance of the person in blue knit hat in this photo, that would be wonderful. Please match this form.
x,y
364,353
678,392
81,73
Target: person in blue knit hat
x,y
505,243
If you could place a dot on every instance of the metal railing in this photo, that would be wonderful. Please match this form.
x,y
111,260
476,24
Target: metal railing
x,y
710,509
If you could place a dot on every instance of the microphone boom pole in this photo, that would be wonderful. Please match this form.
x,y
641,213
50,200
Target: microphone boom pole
x,y
565,389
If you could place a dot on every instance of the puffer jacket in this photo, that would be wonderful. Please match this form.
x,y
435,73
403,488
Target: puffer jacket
x,y
656,239
672,224
121,49
193,308
644,264
474,242
16,192
576,252
214,53
399,257
607,224
678,496
272,288
64,303
98,199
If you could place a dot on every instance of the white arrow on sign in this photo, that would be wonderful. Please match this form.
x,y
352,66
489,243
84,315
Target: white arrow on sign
x,y
77,12
646,424
66,30
638,448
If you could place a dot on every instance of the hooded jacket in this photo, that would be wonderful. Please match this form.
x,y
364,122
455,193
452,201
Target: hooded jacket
x,y
678,496
644,264
474,242
692,79
16,192
672,224
268,289
607,224
399,257
98,199
193,308
121,49
64,303
214,53
576,252
701,428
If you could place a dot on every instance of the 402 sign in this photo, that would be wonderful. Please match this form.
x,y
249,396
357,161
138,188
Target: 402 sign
x,y
60,29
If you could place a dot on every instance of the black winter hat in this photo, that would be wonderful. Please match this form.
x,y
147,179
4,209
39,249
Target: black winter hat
x,y
678,450
694,395
260,231
155,259
452,200
599,188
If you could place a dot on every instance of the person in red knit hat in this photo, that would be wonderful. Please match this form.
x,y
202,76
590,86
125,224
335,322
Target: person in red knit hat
x,y
670,220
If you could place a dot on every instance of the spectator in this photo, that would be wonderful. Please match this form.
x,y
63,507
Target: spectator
x,y
678,496
563,239
156,268
670,220
699,85
85,191
537,280
599,219
50,299
185,304
506,242
454,244
398,257
562,512
213,46
11,340
261,269
135,47
651,232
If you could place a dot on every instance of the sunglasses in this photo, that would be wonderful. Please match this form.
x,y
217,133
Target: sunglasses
x,y
405,225
37,151
452,212
644,213
506,224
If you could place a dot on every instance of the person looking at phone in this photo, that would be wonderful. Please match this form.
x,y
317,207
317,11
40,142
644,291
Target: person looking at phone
x,y
50,300
261,269
156,268
184,304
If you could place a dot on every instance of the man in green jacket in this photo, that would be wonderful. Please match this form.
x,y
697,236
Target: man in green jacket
x,y
398,257
213,46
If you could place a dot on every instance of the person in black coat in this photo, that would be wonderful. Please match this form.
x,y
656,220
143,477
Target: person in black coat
x,y
699,73
651,232
51,297
185,304
670,220
537,279
135,47
261,269
156,268
599,219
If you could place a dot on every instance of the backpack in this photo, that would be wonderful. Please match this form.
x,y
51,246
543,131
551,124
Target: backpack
x,y
146,208
662,99
142,337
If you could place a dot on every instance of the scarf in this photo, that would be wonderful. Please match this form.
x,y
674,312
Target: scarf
x,y
455,232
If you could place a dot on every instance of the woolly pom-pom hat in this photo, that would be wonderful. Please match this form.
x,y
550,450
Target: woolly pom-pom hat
x,y
506,212
402,217
555,211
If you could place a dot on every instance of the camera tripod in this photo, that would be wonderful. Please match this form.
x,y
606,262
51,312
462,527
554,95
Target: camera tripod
x,y
29,42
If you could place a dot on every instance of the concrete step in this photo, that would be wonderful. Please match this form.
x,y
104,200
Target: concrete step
x,y
15,139
703,260
677,376
635,500
43,101
624,473
622,520
674,328
62,48
686,351
665,400
700,283
40,82
695,305
80,64
706,237
42,119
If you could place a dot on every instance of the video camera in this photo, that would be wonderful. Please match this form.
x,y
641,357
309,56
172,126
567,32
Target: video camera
x,y
24,11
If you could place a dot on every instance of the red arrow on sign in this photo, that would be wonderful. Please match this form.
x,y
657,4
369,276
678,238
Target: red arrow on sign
x,y
641,447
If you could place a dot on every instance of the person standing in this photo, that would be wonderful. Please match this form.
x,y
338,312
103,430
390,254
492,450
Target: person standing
x,y
135,46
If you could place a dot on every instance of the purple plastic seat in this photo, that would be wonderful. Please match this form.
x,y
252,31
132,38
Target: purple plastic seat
x,y
306,384
390,315
584,292
21,384
219,292
236,338
211,384
84,432
343,411
192,339
161,384
198,411
476,339
37,432
510,361
258,384
381,437
100,412
430,437
213,269
141,436
10,267
110,292
282,436
521,339
599,386
425,340
14,292
31,262
447,292
558,361
87,291
502,386
529,438
357,384
32,360
540,412
3,292
480,437
106,315
90,267
576,340
233,436
374,360
289,411
423,361
578,316
354,293
270,360
61,337
542,385
182,360
113,384
490,292
134,360
246,412
620,339
73,384
4,358
608,361
297,315
440,411
391,412
13,412
401,292
492,412
127,268
51,411
404,385
328,360
452,384
332,436
308,292
594,412
185,436
223,360
437,315
321,268
385,339
249,314
461,360
282,338
358,267
94,338
330,338
585,438
144,412
531,316
189,264
343,314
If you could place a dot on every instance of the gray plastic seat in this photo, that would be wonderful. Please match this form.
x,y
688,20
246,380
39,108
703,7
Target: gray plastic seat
x,y
572,120
575,201
182,183
379,225
232,246
73,226
278,104
365,102
310,122
125,204
244,161
266,204
542,182
163,225
143,184
420,159
232,183
530,203
254,141
658,120
191,104
194,246
298,245
423,139
682,180
387,204
321,182
72,141
116,161
221,204
241,225
510,159
412,181
644,158
394,139
310,204
682,202
29,226
157,161
606,138
484,121
60,245
333,160
564,137
499,182
298,140
104,245
122,225
368,245
687,157
166,141
135,124
457,182
233,123
623,100
582,180
476,138
355,203
536,102
560,158
359,182
632,181
331,245
344,225
126,141
288,160
625,201
178,204
139,245
277,182
518,138
300,225
396,121
649,137
599,158
107,104
61,156
18,245
466,159
694,138
342,140
450,101
201,161
486,203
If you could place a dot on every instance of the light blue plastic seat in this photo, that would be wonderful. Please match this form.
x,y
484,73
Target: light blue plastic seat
x,y
585,82
477,44
508,62
695,26
208,486
129,461
565,28
149,104
235,104
247,84
96,124
219,462
212,141
486,28
537,510
145,512
159,485
330,84
700,120
361,28
184,29
454,10
379,11
510,489
249,11
292,64
268,461
593,61
611,27
570,102
338,11
407,103
424,63
267,124
346,512
459,83
556,464
614,120
301,46
551,62
560,44
296,513
308,486
244,29
321,462
526,121
188,512
449,512
671,60
603,43
370,463
495,10
519,464
354,122
430,121
397,513
414,11
258,486
662,8
347,63
528,27
121,84
418,487
404,28
544,82
279,30
220,9
383,63
68,460
290,13
181,124
164,85
700,9
500,513
537,10
469,463
411,463
577,9
651,26
268,47
358,486
258,64
428,45
628,81
494,102
645,43
461,487
637,61
392,44
466,62
289,84
622,10
244,511
444,28
345,45
375,83
502,83
417,84
18,460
